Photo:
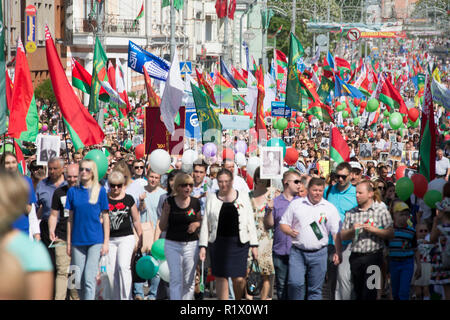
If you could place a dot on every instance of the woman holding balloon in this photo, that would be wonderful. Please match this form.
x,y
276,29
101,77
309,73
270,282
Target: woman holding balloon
x,y
181,218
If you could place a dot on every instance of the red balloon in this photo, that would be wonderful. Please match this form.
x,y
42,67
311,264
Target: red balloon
x,y
291,156
250,114
139,151
405,78
299,119
228,154
356,101
337,103
249,181
345,123
413,114
420,185
400,173
363,104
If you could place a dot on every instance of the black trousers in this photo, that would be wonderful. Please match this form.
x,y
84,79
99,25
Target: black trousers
x,y
359,266
330,284
45,238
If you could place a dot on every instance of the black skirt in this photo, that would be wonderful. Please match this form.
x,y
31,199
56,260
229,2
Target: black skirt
x,y
228,257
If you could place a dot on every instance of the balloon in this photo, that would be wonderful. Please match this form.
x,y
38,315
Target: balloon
x,y
106,115
363,105
437,184
282,124
277,142
395,120
291,156
157,250
345,114
442,126
164,271
299,119
228,154
386,113
106,152
432,197
372,105
125,122
146,267
240,159
240,146
44,127
400,172
302,126
420,185
100,160
404,188
189,156
159,161
356,101
40,126
356,121
413,114
209,150
139,151
128,144
252,164
340,107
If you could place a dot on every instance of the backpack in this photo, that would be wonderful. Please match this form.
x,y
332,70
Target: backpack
x,y
445,249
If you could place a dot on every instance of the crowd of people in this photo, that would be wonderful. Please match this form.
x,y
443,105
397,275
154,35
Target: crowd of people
x,y
321,231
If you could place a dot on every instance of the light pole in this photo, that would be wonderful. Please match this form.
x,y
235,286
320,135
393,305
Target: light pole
x,y
294,9
172,30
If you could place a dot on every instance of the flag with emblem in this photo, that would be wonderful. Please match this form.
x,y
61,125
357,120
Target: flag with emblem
x,y
203,84
293,88
325,87
99,74
81,79
427,146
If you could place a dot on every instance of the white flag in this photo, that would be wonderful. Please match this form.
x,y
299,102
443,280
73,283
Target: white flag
x,y
252,94
173,94
270,91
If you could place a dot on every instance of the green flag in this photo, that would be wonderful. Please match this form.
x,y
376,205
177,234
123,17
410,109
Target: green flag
x,y
99,74
32,121
3,108
326,85
206,116
178,4
293,88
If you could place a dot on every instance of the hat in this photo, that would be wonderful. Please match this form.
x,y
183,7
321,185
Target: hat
x,y
444,205
355,165
400,206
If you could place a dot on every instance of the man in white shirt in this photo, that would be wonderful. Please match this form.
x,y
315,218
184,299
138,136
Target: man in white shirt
x,y
379,142
238,183
309,221
442,165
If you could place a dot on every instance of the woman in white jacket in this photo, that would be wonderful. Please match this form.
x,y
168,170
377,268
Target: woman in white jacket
x,y
228,229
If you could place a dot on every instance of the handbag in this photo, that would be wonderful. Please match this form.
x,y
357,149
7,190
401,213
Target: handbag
x,y
134,260
254,279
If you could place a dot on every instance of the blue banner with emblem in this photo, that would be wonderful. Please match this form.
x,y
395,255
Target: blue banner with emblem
x,y
138,58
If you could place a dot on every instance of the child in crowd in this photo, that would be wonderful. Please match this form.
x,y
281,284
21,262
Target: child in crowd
x,y
421,284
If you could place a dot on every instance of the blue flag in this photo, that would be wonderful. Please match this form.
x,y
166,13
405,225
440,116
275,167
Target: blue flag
x,y
341,88
330,60
227,75
138,58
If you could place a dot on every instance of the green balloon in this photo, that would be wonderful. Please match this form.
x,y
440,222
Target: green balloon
x,y
100,160
115,125
157,250
372,105
147,267
340,107
277,142
8,148
125,123
395,120
432,197
356,121
252,123
302,126
106,152
282,124
386,113
241,113
404,188
345,114
442,126
128,144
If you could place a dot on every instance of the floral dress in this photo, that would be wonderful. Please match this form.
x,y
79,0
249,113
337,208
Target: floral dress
x,y
439,275
265,239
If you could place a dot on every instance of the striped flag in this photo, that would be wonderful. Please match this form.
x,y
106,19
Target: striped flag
x,y
140,15
339,151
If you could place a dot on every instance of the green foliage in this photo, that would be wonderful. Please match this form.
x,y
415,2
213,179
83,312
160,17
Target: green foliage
x,y
45,91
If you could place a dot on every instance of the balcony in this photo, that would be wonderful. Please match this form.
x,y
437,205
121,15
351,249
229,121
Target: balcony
x,y
112,26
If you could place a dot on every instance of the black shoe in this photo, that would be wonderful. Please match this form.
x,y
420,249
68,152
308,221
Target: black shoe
x,y
198,296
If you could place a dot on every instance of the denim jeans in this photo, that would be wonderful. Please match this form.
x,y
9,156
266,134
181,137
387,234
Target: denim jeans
x,y
313,265
86,258
401,276
281,265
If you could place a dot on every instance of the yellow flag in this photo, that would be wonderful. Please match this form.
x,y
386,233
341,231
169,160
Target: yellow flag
x,y
436,75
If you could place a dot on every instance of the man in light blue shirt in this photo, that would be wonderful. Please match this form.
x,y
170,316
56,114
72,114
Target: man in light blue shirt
x,y
343,196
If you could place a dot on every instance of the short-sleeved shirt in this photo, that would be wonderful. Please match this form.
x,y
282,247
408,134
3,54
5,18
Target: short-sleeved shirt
x,y
120,216
404,244
151,203
59,203
22,223
302,216
281,242
442,166
181,218
378,216
87,228
44,193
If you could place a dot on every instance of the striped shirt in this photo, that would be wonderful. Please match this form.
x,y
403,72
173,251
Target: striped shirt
x,y
404,244
378,216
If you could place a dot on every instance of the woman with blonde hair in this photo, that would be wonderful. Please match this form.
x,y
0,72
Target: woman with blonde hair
x,y
181,218
88,210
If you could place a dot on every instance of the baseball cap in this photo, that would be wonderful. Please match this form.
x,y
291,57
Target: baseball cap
x,y
400,206
355,165
444,205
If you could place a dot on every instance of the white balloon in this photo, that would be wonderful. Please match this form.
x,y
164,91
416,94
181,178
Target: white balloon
x,y
164,271
240,160
187,168
159,161
437,184
278,183
252,164
189,156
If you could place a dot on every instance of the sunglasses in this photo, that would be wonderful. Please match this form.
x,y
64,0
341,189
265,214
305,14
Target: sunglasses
x,y
139,167
339,176
116,185
423,230
184,185
85,169
295,181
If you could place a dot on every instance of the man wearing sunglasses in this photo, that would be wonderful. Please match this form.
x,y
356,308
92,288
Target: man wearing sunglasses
x,y
138,169
343,196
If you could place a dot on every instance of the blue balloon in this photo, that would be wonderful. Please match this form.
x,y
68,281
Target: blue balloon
x,y
277,142
147,267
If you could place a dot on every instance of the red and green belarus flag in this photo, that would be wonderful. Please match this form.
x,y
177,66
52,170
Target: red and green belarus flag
x,y
139,16
281,64
390,96
427,149
81,79
339,151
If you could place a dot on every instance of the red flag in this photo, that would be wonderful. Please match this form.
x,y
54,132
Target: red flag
x,y
221,8
261,129
9,90
22,94
111,75
153,99
206,87
231,9
75,114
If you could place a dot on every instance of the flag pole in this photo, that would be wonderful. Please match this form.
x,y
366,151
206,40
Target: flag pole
x,y
65,140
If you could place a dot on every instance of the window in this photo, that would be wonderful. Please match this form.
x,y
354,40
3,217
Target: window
x,y
208,29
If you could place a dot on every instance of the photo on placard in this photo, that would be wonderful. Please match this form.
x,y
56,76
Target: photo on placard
x,y
47,148
365,151
325,143
271,163
415,156
396,151
384,157
392,137
410,172
390,165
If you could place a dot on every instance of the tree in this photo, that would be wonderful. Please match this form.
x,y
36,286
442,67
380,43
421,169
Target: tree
x,y
45,91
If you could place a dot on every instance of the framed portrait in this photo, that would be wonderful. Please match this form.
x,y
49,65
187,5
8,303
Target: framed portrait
x,y
271,163
365,151
384,156
396,151
48,147
415,156
410,172
392,138
325,143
